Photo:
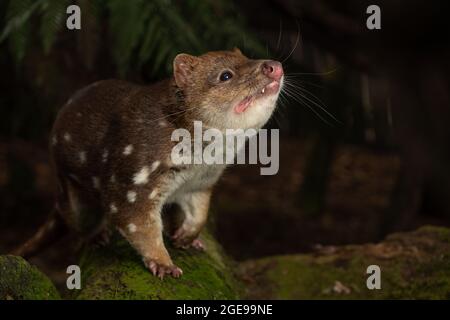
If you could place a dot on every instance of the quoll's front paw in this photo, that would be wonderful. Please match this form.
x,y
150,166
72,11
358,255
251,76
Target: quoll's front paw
x,y
160,270
183,239
198,244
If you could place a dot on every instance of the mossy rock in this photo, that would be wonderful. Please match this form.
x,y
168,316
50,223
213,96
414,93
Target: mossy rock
x,y
117,272
414,265
21,281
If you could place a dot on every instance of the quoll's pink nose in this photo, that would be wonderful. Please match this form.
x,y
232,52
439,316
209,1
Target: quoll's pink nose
x,y
272,69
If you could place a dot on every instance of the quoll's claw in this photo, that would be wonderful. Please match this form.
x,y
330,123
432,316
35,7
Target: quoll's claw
x,y
186,243
185,240
198,244
160,270
176,272
153,267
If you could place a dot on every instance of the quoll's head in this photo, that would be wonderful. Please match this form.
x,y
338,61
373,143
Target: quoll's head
x,y
225,89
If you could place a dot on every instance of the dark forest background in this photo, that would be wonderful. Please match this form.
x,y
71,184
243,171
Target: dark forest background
x,y
381,167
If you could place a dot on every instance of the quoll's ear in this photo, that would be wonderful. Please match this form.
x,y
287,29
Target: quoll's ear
x,y
183,65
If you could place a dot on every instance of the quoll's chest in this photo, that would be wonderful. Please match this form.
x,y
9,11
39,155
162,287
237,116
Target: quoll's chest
x,y
194,178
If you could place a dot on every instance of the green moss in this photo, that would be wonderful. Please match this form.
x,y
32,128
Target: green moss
x,y
413,265
430,280
441,233
117,272
21,281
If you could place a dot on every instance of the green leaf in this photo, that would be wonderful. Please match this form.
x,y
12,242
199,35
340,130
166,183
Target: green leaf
x,y
179,26
151,38
161,57
127,23
141,31
17,15
53,14
17,27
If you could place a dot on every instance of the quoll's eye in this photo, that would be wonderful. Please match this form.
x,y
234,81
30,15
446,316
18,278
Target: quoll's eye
x,y
225,76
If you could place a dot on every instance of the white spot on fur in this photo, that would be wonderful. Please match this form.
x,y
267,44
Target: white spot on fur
x,y
113,207
82,156
105,156
132,228
113,178
67,137
153,194
128,150
162,123
131,196
141,177
155,165
54,140
96,182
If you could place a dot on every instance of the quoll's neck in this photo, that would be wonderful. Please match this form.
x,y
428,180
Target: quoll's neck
x,y
171,101
174,106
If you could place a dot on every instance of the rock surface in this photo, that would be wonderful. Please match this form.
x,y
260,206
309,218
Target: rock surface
x,y
414,265
21,281
117,272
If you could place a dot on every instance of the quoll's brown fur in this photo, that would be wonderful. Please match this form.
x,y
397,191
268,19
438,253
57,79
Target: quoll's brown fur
x,y
111,147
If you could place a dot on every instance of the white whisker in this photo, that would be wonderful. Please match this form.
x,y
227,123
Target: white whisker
x,y
297,40
302,95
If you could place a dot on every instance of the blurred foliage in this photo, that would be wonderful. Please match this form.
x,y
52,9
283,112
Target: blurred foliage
x,y
135,40
140,33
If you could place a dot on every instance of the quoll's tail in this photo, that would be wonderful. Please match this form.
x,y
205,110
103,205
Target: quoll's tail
x,y
52,230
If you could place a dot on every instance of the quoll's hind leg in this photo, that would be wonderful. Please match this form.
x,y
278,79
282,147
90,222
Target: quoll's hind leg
x,y
195,207
102,235
80,209
142,227
68,203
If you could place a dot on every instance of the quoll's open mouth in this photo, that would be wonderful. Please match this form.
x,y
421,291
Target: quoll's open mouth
x,y
267,90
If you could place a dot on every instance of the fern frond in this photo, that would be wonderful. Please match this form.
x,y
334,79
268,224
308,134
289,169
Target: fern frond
x,y
17,27
152,37
142,32
127,23
53,14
